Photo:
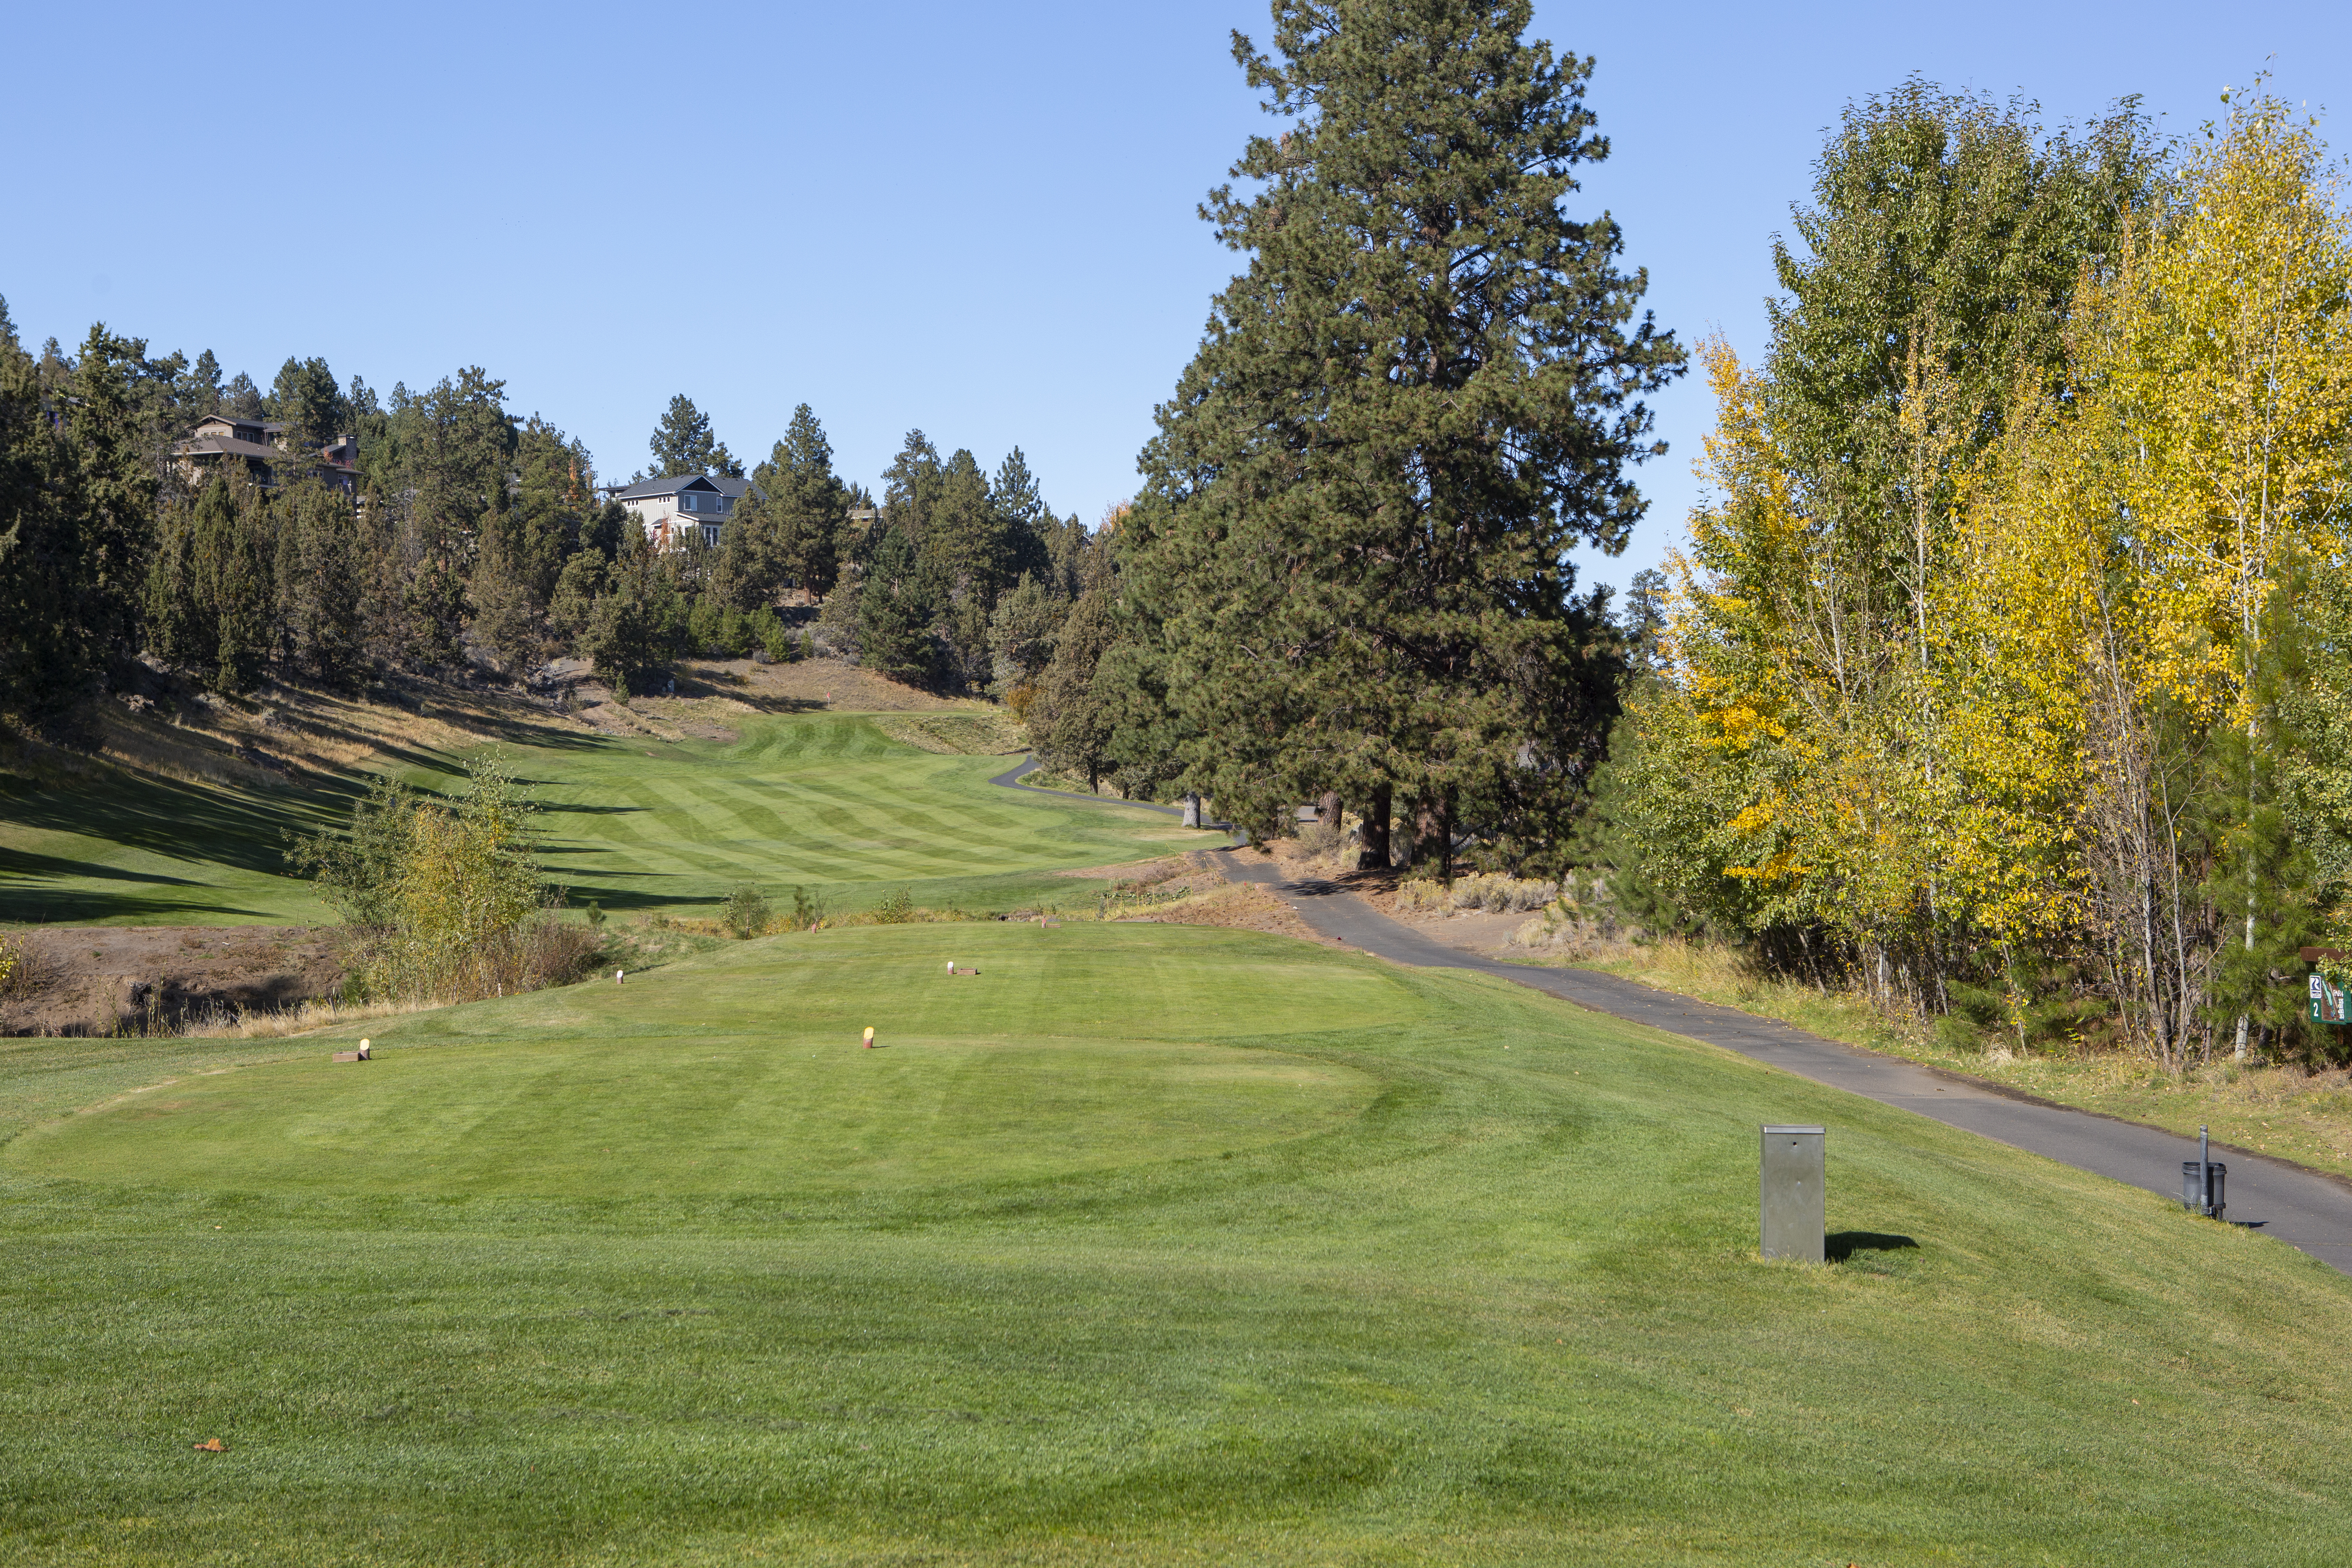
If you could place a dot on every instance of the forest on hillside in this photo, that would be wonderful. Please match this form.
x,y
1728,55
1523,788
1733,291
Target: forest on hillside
x,y
460,536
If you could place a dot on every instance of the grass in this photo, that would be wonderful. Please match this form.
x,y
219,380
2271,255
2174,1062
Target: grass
x,y
2282,1111
1149,1244
826,801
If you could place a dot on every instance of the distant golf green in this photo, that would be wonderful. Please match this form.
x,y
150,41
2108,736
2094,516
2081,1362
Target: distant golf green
x,y
826,801
1147,1243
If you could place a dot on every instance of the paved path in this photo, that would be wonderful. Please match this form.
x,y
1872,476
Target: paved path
x,y
1011,779
2302,1208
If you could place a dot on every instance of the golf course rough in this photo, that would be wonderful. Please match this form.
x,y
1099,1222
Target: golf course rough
x,y
823,801
1149,1244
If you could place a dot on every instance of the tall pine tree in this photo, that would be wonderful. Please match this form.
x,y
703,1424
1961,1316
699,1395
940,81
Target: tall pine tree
x,y
1350,564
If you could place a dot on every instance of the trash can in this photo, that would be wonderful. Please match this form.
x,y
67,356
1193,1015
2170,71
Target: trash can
x,y
1794,1208
2201,1183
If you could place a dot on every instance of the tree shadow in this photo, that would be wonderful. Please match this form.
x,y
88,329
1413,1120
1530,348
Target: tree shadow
x,y
1841,1245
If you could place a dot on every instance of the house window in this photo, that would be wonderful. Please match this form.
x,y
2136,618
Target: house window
x,y
711,534
686,503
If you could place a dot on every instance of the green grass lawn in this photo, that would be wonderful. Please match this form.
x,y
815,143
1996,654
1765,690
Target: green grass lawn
x,y
824,801
1149,1244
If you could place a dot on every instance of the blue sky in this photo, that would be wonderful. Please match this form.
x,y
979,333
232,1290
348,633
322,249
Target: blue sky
x,y
974,220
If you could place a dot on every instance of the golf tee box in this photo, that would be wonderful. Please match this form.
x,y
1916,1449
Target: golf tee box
x,y
1795,1209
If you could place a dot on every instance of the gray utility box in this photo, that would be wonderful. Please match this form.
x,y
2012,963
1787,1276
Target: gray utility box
x,y
1796,1214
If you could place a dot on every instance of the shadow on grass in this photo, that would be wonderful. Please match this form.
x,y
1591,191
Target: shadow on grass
x,y
1841,1245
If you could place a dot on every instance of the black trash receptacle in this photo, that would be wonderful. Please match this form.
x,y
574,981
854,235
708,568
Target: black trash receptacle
x,y
2201,1186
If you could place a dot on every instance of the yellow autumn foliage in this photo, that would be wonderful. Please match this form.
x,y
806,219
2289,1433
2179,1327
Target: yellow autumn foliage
x,y
1983,746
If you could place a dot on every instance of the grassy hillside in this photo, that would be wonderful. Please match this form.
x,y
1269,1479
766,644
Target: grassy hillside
x,y
1148,1244
636,822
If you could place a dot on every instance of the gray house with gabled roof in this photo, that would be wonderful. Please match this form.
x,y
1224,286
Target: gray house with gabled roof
x,y
666,506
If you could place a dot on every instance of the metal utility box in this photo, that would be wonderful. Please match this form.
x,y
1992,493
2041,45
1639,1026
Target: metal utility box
x,y
2202,1184
1795,1210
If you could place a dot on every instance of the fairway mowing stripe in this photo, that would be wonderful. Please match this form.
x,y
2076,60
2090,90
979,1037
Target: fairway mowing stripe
x,y
794,835
909,816
657,854
758,820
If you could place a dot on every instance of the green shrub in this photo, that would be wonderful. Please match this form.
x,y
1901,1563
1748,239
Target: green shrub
x,y
748,914
896,908
1955,1034
766,628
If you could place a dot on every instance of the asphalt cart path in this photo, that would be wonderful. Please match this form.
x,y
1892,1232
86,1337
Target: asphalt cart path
x,y
2308,1211
2302,1208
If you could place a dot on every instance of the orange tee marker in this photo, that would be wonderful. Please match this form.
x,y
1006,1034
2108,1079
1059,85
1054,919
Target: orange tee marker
x,y
869,1037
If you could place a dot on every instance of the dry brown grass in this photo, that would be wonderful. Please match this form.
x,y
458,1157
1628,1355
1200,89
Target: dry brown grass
x,y
303,1018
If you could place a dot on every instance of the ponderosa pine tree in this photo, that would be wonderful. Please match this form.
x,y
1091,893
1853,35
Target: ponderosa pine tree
x,y
304,398
1068,719
1350,561
682,442
318,574
791,528
241,399
638,624
911,488
42,653
554,498
199,392
897,601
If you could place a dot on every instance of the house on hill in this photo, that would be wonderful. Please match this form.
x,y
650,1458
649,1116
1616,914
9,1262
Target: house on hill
x,y
666,506
260,445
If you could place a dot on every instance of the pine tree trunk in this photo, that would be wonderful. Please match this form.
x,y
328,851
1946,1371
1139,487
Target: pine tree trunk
x,y
1445,839
1424,829
1375,853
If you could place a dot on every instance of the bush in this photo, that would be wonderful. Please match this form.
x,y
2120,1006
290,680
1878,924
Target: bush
x,y
766,628
808,910
896,908
1491,892
748,914
443,900
1320,839
16,966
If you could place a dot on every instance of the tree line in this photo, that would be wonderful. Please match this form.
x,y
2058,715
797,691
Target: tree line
x,y
2007,669
470,537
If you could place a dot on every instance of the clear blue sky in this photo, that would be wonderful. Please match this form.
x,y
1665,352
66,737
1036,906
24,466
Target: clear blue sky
x,y
977,220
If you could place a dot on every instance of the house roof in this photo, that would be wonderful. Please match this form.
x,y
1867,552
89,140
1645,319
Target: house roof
x,y
670,484
227,446
230,446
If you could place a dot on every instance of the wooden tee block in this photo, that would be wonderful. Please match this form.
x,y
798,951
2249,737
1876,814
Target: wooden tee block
x,y
349,1057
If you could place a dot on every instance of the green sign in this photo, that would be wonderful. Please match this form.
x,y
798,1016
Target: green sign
x,y
2327,1001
